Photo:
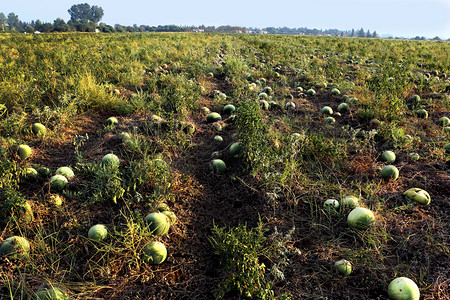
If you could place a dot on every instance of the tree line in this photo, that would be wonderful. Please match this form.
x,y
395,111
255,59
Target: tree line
x,y
86,18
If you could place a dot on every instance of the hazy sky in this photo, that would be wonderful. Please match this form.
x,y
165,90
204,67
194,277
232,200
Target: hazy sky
x,y
407,18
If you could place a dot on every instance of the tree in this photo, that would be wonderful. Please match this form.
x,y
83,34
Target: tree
x,y
28,28
368,35
361,33
13,21
60,25
375,35
119,28
80,12
3,21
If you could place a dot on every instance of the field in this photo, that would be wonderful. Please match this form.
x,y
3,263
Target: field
x,y
256,229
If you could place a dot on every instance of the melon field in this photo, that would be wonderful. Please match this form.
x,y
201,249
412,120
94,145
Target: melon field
x,y
209,166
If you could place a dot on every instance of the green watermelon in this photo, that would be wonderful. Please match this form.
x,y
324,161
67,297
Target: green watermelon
x,y
98,232
360,218
403,288
155,253
343,266
38,129
159,223
15,247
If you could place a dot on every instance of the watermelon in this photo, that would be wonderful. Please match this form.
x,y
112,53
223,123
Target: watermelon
x,y
388,156
155,253
24,151
229,109
343,107
98,232
110,160
217,165
389,172
58,182
38,129
343,266
66,172
403,288
15,247
112,121
235,148
360,218
52,293
213,117
159,223
418,195
350,201
331,205
326,110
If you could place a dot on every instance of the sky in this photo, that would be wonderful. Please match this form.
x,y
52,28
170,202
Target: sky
x,y
400,18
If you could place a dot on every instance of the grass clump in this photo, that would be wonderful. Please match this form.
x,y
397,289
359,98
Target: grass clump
x,y
239,249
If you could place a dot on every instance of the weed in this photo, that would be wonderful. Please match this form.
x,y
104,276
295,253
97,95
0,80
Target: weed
x,y
239,250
